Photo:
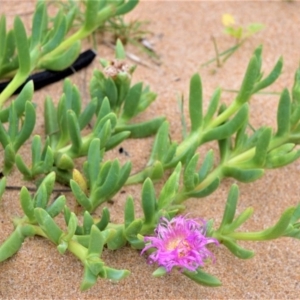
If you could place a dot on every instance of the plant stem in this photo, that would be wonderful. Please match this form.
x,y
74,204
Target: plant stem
x,y
260,92
248,236
139,177
78,250
105,13
184,195
192,141
78,35
229,50
38,231
12,86
225,115
247,155
219,65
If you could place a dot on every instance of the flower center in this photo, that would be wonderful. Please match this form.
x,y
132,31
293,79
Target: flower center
x,y
181,244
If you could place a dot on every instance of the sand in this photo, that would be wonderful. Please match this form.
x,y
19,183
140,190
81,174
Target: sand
x,y
182,32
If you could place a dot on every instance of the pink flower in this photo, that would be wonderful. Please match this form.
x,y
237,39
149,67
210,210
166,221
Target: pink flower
x,y
181,243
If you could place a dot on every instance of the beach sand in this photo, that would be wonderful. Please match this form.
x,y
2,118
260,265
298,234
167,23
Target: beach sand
x,y
182,36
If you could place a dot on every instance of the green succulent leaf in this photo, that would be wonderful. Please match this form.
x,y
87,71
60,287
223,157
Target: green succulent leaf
x,y
241,174
74,132
131,232
249,81
161,271
102,224
272,77
38,21
143,129
89,278
58,34
28,126
149,202
57,206
2,38
126,7
195,102
131,101
12,244
170,189
205,191
120,51
283,114
161,143
2,187
114,274
212,107
22,47
48,225
203,278
27,204
80,196
230,207
237,250
229,128
206,166
62,60
261,149
189,179
9,158
19,103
